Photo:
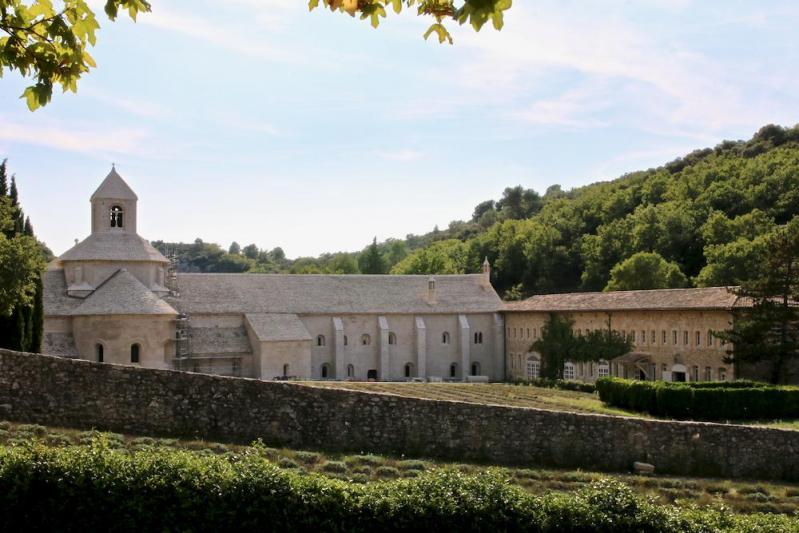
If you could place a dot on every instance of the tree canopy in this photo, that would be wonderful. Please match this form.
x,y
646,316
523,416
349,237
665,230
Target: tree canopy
x,y
645,270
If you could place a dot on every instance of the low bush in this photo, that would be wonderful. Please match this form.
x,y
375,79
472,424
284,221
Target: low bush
x,y
735,400
561,384
335,467
411,464
97,488
308,458
371,460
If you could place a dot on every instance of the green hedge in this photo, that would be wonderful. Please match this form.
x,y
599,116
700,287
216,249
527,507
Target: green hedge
x,y
88,489
737,400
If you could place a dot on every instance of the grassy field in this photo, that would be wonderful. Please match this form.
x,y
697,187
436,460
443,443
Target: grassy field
x,y
510,395
741,496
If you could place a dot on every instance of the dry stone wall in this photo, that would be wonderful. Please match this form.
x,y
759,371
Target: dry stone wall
x,y
82,394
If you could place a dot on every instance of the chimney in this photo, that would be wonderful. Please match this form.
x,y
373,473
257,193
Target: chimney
x,y
431,290
485,279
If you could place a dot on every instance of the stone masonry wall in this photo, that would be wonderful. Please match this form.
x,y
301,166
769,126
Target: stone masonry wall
x,y
84,394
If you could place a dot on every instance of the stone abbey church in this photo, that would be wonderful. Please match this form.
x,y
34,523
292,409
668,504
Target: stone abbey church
x,y
114,298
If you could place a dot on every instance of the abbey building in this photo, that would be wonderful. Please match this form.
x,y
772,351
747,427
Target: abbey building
x,y
113,298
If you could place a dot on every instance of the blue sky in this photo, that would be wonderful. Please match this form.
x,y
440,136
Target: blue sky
x,y
257,121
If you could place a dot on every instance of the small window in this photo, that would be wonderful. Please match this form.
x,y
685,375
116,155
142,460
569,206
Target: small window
x,y
709,338
350,371
685,338
663,342
99,351
366,340
528,333
453,370
652,338
698,338
286,370
568,371
371,374
643,336
695,373
478,337
325,371
134,353
392,338
116,217
408,370
445,337
346,340
475,368
708,374
722,374
674,336
320,340
603,369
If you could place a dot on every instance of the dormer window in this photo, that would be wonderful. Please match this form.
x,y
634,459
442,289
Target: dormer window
x,y
116,217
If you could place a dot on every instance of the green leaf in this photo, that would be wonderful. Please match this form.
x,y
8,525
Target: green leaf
x,y
31,98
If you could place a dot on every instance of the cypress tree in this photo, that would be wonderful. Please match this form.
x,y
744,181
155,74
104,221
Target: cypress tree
x,y
3,179
28,227
13,193
37,321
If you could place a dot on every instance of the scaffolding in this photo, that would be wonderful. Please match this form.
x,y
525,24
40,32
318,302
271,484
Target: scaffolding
x,y
172,275
182,340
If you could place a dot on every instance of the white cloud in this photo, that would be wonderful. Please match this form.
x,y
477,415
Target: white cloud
x,y
87,138
400,155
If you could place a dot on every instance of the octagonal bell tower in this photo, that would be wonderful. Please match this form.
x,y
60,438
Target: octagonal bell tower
x,y
114,206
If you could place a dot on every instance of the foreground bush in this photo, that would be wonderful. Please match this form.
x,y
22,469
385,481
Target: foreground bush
x,y
98,488
735,400
561,384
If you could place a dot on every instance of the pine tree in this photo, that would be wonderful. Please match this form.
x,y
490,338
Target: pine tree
x,y
13,193
372,260
28,227
767,331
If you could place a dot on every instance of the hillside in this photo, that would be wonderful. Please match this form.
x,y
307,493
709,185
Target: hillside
x,y
705,214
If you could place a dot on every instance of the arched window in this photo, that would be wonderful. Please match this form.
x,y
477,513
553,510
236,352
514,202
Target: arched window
x,y
709,338
453,370
478,337
445,337
568,370
286,370
325,371
320,340
116,216
134,353
366,340
408,370
475,368
533,367
346,340
698,338
350,371
98,349
392,337
603,369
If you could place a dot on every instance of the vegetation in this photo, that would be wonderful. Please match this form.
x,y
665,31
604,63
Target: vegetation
x,y
71,478
50,44
645,270
475,12
22,260
559,343
768,331
737,400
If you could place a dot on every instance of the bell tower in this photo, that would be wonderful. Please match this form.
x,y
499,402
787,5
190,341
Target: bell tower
x,y
114,206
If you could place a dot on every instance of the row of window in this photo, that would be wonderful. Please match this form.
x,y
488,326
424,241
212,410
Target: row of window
x,y
366,339
135,353
635,336
326,370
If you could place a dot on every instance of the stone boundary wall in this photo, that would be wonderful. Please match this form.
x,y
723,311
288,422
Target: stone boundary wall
x,y
82,394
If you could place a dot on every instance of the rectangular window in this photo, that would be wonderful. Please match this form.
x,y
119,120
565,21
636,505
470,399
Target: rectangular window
x,y
698,338
685,338
535,333
708,374
528,333
663,342
514,333
643,337
652,337
674,336
694,373
710,338
722,374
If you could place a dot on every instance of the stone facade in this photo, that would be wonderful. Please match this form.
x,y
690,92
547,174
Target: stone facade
x,y
83,394
106,299
670,342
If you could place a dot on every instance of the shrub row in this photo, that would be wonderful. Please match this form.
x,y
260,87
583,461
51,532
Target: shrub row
x,y
97,488
561,384
701,401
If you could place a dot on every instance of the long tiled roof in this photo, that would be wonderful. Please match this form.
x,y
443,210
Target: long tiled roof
x,y
123,294
659,299
218,341
300,294
113,247
114,187
277,327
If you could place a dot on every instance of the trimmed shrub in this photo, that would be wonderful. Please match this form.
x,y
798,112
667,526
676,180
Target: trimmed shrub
x,y
577,386
702,401
335,467
371,460
411,464
96,488
387,472
308,458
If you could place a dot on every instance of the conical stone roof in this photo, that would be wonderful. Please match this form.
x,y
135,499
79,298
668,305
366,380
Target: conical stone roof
x,y
114,187
123,294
